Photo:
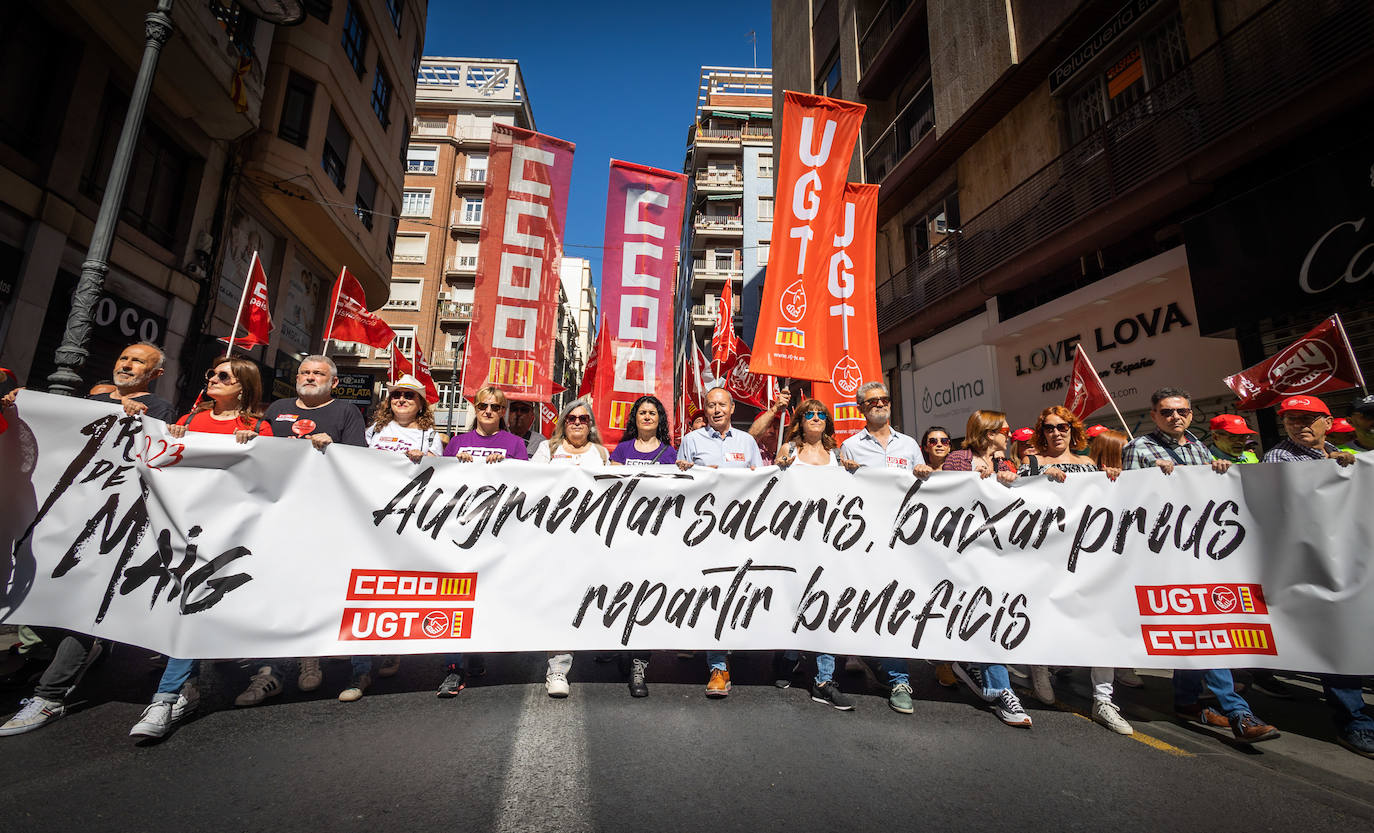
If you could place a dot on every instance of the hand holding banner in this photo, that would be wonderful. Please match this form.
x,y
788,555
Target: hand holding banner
x,y
253,312
1319,362
351,321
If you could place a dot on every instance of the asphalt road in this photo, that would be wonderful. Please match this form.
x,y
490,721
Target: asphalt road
x,y
503,756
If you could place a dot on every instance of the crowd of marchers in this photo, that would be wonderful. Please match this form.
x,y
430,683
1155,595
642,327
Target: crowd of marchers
x,y
1056,447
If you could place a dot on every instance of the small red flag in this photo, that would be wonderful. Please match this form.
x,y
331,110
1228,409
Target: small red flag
x,y
585,389
1319,362
400,365
351,320
723,341
422,373
253,314
1086,391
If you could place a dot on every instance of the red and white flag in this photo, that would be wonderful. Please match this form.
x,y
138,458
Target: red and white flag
x,y
351,321
252,314
1319,362
744,385
587,388
1086,391
510,345
399,365
548,418
723,339
426,378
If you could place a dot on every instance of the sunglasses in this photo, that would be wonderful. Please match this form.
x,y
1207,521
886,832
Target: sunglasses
x,y
1058,427
878,401
404,394
938,441
222,377
1005,429
814,415
579,419
1168,412
489,406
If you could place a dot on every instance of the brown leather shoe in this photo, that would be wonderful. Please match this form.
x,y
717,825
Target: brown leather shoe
x,y
1249,729
1201,715
719,686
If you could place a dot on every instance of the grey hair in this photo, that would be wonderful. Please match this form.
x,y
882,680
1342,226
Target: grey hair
x,y
865,388
325,360
161,356
593,433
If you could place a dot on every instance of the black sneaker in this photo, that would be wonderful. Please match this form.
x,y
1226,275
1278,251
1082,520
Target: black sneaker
x,y
830,694
638,687
452,684
477,665
783,669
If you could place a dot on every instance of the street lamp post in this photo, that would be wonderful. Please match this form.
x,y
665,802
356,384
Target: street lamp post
x,y
157,28
454,380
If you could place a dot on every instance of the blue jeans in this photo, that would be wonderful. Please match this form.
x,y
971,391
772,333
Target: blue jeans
x,y
995,679
1188,688
174,676
715,660
454,660
1345,698
825,668
894,670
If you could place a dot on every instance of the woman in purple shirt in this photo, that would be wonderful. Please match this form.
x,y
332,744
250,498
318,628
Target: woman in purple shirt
x,y
648,443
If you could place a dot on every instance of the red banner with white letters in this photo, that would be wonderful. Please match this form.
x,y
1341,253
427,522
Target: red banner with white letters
x,y
851,302
643,218
510,344
1319,362
818,134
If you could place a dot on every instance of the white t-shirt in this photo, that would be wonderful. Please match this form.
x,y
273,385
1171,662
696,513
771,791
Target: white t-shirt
x,y
592,457
392,437
798,461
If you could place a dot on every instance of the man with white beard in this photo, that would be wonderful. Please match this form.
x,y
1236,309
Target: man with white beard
x,y
317,416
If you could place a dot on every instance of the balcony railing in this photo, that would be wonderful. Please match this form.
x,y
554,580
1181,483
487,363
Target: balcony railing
x,y
879,29
443,360
348,348
915,120
718,222
460,218
718,136
431,127
757,133
461,265
455,311
472,176
718,178
1270,59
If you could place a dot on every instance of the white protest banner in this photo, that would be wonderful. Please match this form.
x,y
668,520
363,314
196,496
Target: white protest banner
x,y
201,547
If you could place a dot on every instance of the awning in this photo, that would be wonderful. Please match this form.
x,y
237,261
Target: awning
x,y
725,115
724,196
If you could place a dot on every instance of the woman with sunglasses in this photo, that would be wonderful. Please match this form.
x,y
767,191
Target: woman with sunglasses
x,y
811,442
984,451
404,423
575,442
489,441
232,405
935,445
648,443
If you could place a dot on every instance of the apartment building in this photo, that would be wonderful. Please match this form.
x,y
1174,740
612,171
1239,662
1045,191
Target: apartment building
x,y
1169,183
729,216
280,140
579,321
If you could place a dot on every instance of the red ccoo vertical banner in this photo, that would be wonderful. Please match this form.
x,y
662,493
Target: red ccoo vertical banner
x,y
850,301
818,136
510,344
643,217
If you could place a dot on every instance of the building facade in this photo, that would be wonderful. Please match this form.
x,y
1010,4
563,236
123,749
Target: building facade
x,y
579,322
1070,172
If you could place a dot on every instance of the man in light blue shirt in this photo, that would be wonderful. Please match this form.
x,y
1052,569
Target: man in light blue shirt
x,y
879,445
718,446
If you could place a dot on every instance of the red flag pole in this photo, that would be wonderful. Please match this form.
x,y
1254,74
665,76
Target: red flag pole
x,y
1353,361
238,314
333,311
1110,398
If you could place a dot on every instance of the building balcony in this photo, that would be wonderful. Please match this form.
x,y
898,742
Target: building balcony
x,y
719,223
457,265
704,272
705,136
757,135
429,127
443,361
347,349
454,312
1202,122
886,49
718,180
472,178
914,122
460,219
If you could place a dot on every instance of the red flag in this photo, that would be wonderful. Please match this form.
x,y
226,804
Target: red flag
x,y
1319,362
400,365
723,340
252,313
351,320
744,385
589,373
547,419
851,299
818,137
510,345
1086,391
422,373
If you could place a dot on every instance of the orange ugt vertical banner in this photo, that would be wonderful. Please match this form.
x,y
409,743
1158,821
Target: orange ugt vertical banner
x,y
818,137
850,300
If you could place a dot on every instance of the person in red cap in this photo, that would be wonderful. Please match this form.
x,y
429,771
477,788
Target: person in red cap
x,y
1229,433
1093,430
1307,420
1020,445
1342,433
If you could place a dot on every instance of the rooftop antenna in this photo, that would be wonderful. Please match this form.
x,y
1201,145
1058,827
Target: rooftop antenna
x,y
754,39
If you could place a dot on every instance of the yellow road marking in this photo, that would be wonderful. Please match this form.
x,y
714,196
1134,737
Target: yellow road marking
x,y
1138,736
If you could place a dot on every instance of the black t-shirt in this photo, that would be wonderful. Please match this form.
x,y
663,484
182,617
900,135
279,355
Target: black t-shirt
x,y
158,408
342,421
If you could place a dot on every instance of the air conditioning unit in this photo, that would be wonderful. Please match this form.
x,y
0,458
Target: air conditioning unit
x,y
444,295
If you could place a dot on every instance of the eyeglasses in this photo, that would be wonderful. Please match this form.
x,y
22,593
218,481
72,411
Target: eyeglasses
x,y
403,394
877,401
1058,427
813,415
221,376
1168,412
1005,429
579,419
490,406
937,441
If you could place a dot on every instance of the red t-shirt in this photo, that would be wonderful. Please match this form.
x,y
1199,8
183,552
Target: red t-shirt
x,y
204,422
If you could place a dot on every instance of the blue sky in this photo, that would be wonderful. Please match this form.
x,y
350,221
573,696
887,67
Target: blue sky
x,y
617,79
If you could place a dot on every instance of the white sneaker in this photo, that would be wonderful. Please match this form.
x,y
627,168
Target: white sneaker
x,y
1041,685
556,684
35,713
1108,714
1009,710
155,722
